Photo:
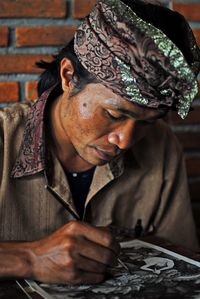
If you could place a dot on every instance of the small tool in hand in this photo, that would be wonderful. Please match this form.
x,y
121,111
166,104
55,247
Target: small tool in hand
x,y
124,265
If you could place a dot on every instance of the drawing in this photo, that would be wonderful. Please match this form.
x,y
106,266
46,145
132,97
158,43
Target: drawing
x,y
154,273
157,264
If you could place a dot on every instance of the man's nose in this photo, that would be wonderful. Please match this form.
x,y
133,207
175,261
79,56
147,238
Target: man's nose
x,y
123,136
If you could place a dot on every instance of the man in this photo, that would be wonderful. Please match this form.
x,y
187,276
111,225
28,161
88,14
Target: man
x,y
91,150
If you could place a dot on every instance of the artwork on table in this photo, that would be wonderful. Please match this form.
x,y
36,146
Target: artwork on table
x,y
154,272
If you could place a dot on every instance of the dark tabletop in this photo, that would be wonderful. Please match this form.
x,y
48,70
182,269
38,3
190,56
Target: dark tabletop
x,y
9,289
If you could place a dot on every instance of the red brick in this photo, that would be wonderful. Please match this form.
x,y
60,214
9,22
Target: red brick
x,y
48,35
197,34
190,140
82,8
9,92
193,166
3,36
31,90
21,63
30,8
191,11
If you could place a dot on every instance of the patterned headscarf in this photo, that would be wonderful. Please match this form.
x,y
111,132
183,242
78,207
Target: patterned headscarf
x,y
137,60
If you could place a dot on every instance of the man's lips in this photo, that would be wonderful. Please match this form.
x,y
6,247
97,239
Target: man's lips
x,y
106,155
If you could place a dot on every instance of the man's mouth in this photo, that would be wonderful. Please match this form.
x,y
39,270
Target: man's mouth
x,y
106,155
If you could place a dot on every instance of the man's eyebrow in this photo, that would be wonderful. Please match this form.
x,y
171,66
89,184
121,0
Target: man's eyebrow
x,y
138,116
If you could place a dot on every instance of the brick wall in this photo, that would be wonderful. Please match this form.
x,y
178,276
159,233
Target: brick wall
x,y
31,30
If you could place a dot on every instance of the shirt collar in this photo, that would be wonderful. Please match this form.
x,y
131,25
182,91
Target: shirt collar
x,y
33,154
31,157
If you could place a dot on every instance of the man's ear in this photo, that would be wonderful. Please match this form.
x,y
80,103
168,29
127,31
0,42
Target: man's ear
x,y
66,73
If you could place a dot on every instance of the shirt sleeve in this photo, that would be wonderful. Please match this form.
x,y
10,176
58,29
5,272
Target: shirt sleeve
x,y
174,219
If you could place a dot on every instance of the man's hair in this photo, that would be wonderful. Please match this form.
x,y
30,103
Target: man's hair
x,y
51,74
155,14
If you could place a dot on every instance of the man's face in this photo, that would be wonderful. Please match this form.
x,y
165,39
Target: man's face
x,y
101,125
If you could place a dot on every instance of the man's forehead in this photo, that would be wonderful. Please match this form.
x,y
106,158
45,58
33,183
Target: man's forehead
x,y
134,110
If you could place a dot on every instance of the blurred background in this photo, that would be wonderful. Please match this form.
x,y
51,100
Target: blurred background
x,y
31,30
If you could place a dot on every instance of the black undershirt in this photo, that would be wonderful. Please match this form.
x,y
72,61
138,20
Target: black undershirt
x,y
79,183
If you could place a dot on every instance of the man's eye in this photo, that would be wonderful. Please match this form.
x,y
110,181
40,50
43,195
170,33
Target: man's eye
x,y
115,116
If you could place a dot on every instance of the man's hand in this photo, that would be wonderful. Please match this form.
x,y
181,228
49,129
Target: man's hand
x,y
76,253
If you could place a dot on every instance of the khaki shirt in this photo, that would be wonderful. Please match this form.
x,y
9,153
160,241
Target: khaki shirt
x,y
147,183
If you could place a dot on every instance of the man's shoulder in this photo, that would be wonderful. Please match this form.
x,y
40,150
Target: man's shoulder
x,y
15,112
12,125
161,134
12,121
162,129
159,143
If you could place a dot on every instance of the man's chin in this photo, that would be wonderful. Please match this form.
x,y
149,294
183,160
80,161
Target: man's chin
x,y
96,162
101,163
96,158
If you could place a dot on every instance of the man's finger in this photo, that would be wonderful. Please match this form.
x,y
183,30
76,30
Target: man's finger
x,y
97,235
88,265
96,252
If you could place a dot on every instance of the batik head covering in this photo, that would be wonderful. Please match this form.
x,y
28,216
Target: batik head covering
x,y
135,59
